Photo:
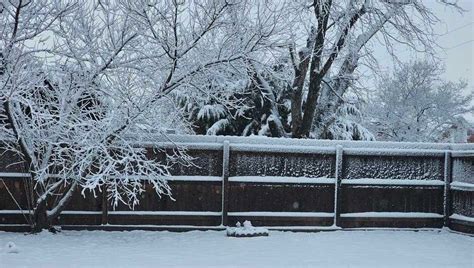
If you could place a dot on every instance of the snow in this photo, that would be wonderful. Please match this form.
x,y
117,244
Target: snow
x,y
78,212
463,153
214,141
461,217
463,170
11,248
194,178
281,214
393,152
14,175
209,112
369,181
139,142
304,228
458,185
267,144
278,179
213,249
133,212
281,148
167,213
391,215
11,211
169,178
218,127
247,230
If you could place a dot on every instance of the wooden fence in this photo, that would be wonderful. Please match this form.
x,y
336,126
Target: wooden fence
x,y
282,184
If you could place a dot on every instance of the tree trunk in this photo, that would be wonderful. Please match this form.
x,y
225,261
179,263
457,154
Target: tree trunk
x,y
331,98
61,205
40,218
297,89
310,108
276,127
301,70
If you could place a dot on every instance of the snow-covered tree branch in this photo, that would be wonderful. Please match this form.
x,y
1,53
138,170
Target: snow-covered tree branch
x,y
415,104
79,77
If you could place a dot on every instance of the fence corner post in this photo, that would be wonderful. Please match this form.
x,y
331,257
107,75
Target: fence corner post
x,y
337,185
447,183
225,181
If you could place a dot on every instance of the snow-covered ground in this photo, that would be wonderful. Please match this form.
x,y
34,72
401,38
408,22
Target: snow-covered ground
x,y
381,248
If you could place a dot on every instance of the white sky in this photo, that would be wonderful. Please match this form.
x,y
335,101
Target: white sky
x,y
457,41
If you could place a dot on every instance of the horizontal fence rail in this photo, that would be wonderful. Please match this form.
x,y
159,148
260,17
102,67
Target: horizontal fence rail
x,y
283,184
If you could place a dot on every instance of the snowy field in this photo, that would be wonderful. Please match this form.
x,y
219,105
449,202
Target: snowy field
x,y
381,248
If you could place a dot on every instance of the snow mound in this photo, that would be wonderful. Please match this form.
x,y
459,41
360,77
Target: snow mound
x,y
11,248
246,231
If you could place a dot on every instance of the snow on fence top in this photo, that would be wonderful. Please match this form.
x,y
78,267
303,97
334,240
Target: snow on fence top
x,y
428,164
215,142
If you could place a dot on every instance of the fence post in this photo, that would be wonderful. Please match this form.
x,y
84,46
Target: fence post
x,y
337,185
225,181
447,182
105,206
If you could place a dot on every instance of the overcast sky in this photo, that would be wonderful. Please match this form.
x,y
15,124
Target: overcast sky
x,y
457,39
458,42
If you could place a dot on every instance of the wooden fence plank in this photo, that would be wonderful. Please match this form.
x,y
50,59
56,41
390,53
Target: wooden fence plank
x,y
447,181
337,192
225,182
105,205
